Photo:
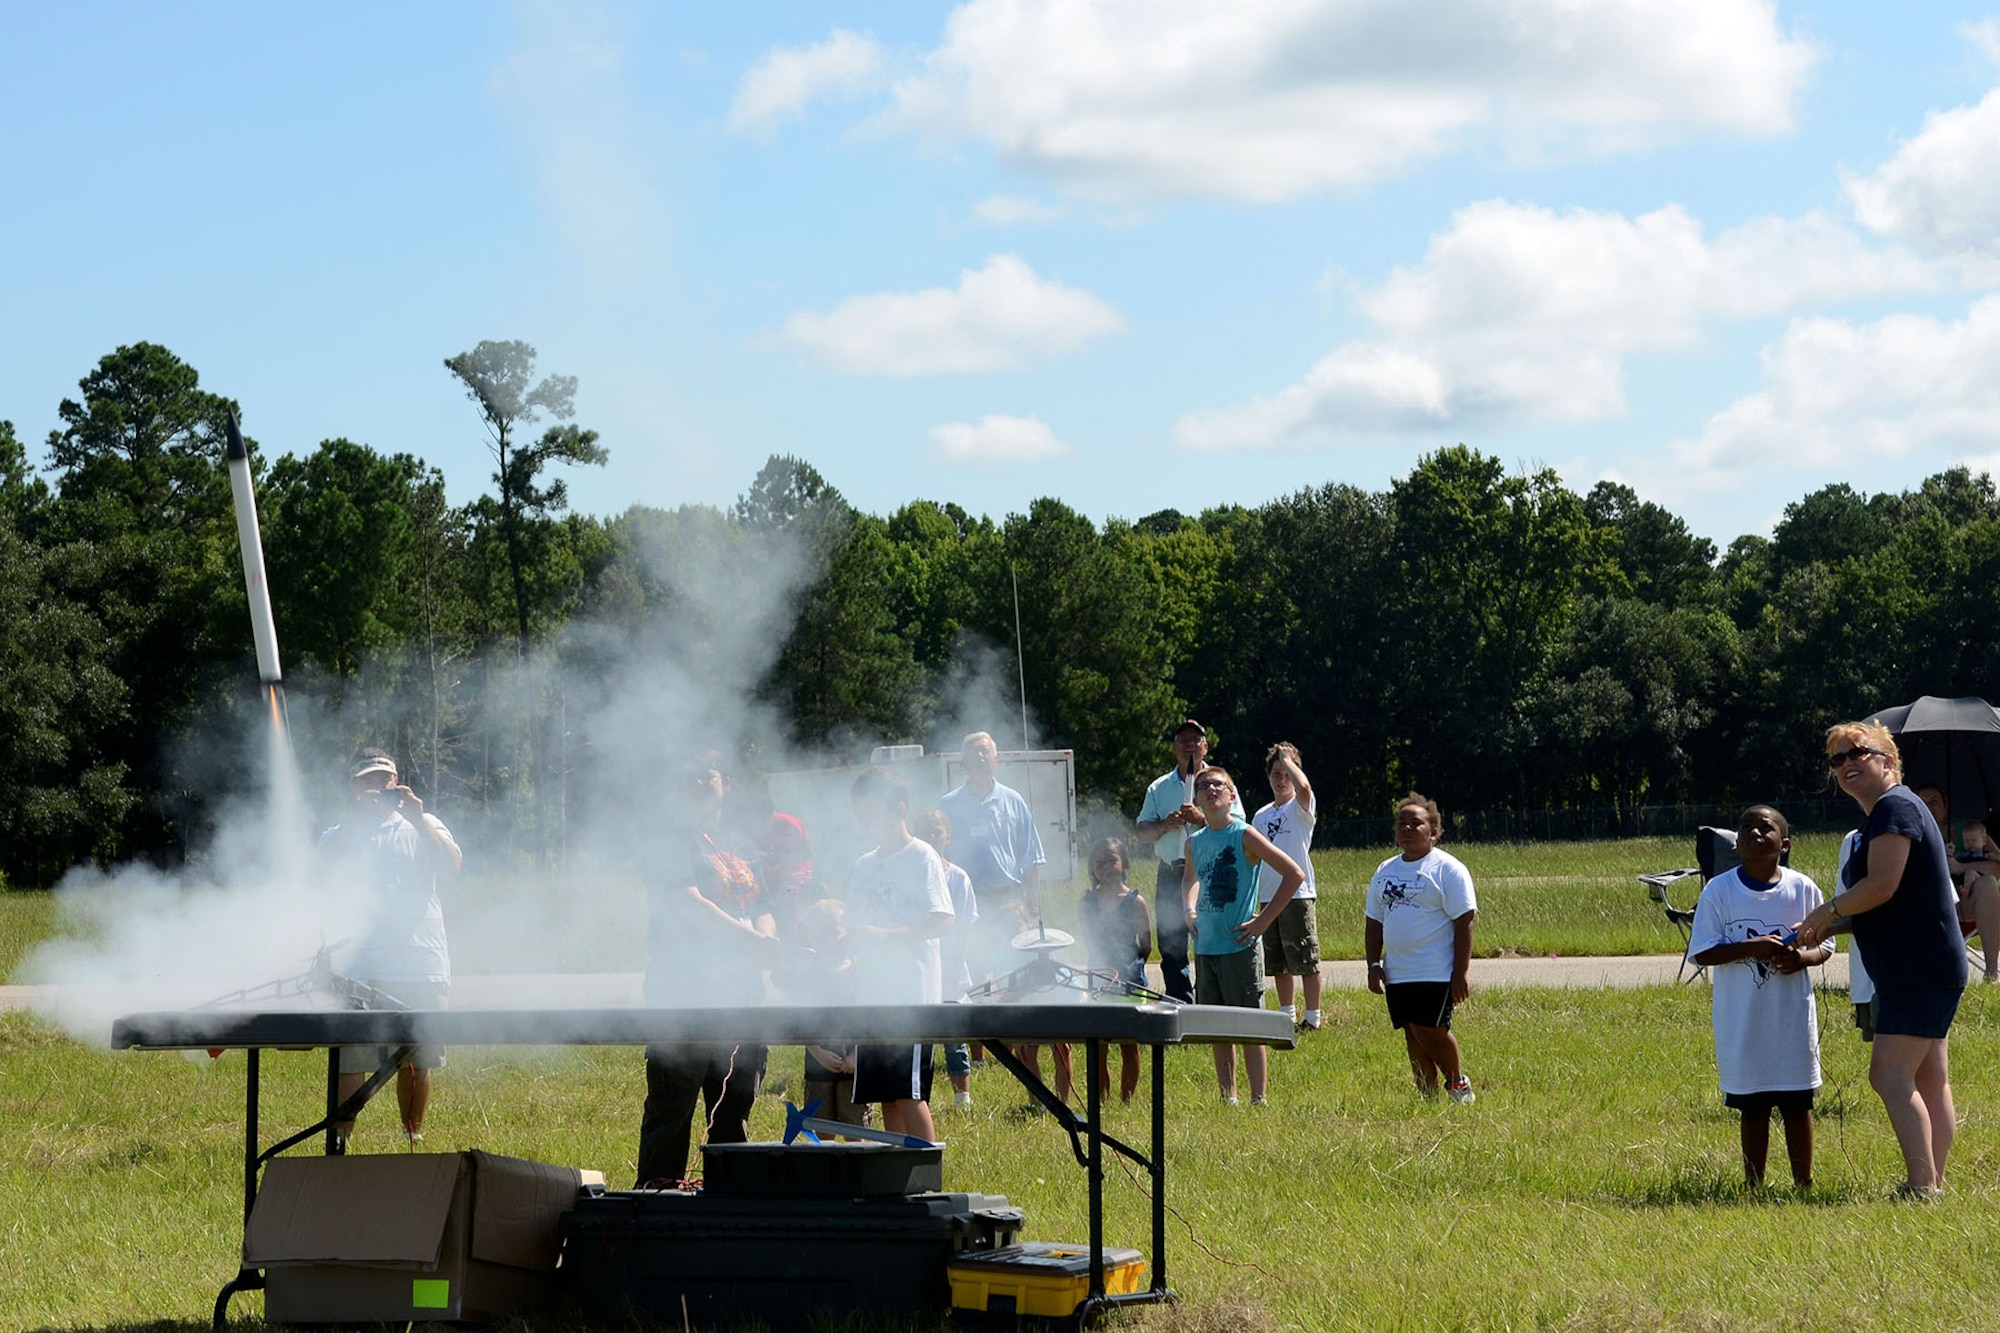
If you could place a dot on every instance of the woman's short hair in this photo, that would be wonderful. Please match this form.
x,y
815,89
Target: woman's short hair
x,y
1869,736
1426,804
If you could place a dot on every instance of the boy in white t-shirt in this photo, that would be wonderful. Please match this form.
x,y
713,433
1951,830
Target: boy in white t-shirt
x,y
1766,1026
1418,939
1291,947
898,905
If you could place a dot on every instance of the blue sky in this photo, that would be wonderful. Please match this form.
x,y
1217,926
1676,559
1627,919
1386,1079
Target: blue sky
x,y
1132,255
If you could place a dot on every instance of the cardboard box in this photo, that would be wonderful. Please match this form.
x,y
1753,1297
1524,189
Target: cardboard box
x,y
400,1237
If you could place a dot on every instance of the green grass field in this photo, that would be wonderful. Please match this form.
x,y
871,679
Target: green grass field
x,y
1594,1185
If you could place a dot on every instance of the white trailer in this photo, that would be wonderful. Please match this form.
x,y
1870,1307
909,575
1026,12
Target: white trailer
x,y
819,797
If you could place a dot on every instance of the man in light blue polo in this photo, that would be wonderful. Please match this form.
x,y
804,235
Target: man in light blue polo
x,y
1164,821
993,838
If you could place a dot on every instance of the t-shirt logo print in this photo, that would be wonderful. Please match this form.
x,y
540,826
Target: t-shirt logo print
x,y
1753,930
1396,895
735,881
1222,878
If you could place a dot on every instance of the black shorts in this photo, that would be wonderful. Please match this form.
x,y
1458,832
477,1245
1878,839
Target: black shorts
x,y
1864,1018
1424,1003
1763,1103
1912,1011
893,1074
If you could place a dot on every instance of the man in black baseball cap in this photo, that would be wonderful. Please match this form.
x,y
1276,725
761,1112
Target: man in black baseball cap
x,y
1165,818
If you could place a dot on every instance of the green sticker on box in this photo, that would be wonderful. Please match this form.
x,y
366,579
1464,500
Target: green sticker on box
x,y
430,1293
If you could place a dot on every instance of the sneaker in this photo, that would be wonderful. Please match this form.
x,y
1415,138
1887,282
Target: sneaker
x,y
1908,1193
1460,1090
962,1100
1312,1020
1259,1101
1229,1099
414,1137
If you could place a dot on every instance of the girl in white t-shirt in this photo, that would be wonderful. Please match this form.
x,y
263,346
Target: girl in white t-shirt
x,y
1418,939
1766,1025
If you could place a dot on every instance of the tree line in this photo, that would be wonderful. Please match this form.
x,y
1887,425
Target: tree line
x,y
1486,635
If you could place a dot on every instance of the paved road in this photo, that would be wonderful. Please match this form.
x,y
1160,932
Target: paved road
x,y
609,989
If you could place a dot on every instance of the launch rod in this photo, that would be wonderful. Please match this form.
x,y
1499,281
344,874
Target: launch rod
x,y
262,627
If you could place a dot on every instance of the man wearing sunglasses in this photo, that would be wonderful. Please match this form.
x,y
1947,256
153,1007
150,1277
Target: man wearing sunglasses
x,y
1165,818
387,857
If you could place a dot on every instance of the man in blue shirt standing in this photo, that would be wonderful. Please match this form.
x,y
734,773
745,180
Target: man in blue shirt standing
x,y
994,840
993,837
1164,820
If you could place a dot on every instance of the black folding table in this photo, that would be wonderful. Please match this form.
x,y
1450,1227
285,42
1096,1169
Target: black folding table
x,y
1095,1025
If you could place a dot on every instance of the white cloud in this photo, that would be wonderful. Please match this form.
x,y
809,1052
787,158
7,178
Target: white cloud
x,y
997,439
1983,37
1006,210
789,79
565,87
1838,392
1136,100
1522,315
999,317
1941,191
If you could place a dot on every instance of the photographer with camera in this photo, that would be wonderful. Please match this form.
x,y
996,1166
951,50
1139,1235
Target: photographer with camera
x,y
383,862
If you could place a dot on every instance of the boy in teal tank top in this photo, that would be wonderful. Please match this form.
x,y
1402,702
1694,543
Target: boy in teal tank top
x,y
1224,922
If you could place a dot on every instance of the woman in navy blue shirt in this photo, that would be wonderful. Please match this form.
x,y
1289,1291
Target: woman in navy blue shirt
x,y
1897,893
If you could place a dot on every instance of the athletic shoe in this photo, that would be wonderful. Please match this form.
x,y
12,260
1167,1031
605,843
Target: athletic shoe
x,y
1461,1090
1228,1100
1259,1101
1908,1193
1312,1021
962,1100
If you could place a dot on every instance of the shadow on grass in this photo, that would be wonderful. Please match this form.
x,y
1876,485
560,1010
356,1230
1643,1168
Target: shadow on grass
x,y
153,1326
1702,1186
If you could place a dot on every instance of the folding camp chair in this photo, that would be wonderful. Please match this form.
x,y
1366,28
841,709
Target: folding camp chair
x,y
1657,885
1715,851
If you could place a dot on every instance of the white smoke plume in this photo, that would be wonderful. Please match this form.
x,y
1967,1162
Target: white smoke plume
x,y
634,694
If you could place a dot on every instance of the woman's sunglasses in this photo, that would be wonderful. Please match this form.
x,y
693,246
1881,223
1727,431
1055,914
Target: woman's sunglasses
x,y
1841,757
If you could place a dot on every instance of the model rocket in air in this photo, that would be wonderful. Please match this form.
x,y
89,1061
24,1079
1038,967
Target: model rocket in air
x,y
262,627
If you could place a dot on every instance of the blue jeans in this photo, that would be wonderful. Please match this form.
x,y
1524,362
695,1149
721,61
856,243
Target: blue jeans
x,y
1170,930
957,1058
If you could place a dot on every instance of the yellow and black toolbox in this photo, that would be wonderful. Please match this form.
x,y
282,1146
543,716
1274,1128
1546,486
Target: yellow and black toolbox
x,y
1037,1278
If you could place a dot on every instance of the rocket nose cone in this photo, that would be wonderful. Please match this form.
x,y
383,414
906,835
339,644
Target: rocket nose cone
x,y
236,451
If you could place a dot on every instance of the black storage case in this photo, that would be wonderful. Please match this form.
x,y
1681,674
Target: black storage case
x,y
818,1170
782,1261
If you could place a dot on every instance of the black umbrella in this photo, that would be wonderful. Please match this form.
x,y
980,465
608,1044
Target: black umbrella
x,y
1953,744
